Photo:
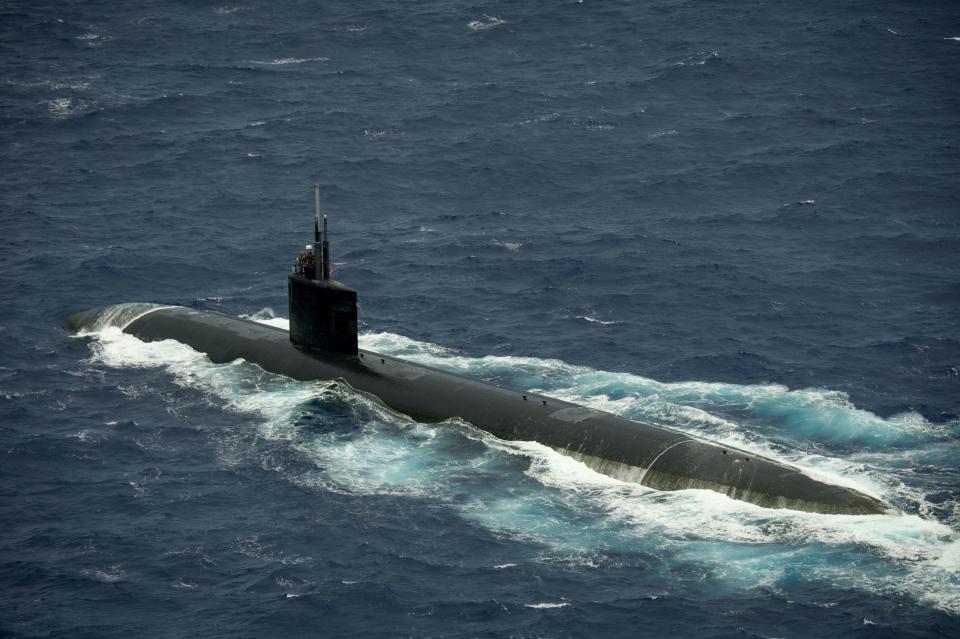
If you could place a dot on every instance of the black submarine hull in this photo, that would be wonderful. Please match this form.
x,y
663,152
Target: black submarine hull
x,y
652,455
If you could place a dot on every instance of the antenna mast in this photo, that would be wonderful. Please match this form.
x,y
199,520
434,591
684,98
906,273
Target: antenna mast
x,y
326,250
316,234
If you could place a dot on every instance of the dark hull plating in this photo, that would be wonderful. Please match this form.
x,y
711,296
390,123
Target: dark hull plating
x,y
651,455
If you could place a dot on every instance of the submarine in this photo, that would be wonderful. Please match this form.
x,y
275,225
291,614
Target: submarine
x,y
321,344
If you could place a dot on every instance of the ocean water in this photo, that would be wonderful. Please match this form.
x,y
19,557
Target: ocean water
x,y
737,219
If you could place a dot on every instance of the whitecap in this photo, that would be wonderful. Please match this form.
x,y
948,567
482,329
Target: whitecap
x,y
110,575
88,436
251,547
510,246
485,23
285,61
78,85
547,117
547,605
267,316
594,320
697,59
61,108
265,313
276,322
379,133
92,39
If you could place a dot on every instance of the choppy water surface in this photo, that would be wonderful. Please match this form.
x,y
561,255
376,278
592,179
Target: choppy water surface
x,y
737,220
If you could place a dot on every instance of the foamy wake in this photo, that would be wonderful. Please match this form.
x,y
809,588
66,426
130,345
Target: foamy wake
x,y
528,491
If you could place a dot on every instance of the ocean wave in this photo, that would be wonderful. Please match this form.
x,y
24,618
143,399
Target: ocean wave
x,y
485,23
93,39
286,61
661,134
381,133
595,320
63,107
510,246
109,575
546,117
699,58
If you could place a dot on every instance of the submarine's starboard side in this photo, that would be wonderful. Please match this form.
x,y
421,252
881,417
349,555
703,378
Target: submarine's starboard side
x,y
655,456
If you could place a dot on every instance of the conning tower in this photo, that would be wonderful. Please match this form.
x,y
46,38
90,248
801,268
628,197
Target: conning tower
x,y
323,312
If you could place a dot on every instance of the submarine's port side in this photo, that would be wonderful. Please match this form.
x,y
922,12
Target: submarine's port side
x,y
655,456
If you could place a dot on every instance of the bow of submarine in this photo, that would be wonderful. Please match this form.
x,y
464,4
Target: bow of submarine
x,y
652,455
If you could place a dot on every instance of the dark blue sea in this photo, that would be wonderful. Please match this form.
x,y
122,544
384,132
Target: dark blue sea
x,y
739,219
